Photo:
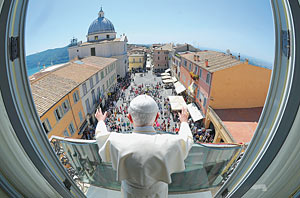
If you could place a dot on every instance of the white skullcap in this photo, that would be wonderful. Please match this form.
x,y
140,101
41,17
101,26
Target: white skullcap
x,y
144,104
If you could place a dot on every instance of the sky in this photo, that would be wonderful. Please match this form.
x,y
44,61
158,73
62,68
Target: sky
x,y
243,26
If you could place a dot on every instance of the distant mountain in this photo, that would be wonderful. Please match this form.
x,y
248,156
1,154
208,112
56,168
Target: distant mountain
x,y
47,58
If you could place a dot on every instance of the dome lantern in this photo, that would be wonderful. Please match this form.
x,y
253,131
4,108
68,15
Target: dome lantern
x,y
101,13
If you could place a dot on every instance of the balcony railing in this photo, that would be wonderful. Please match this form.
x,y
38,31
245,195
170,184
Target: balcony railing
x,y
206,165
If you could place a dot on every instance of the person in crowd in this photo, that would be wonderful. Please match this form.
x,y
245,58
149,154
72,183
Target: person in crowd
x,y
142,166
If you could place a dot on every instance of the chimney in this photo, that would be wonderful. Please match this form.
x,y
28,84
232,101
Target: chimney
x,y
206,62
198,58
195,57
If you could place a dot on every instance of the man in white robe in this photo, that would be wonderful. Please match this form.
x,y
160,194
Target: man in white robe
x,y
144,160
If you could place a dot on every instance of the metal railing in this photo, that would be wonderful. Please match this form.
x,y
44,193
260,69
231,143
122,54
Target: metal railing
x,y
206,165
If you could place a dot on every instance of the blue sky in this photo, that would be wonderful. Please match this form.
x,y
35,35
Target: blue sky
x,y
243,26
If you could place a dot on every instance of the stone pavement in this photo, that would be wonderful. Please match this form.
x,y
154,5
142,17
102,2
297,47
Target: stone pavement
x,y
147,78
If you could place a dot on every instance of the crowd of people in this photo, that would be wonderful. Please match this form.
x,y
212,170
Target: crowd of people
x,y
118,103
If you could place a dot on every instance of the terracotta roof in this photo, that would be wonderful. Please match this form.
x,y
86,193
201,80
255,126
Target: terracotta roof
x,y
50,87
216,60
241,123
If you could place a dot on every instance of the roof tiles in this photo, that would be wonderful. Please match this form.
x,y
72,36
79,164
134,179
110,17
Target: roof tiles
x,y
216,60
51,87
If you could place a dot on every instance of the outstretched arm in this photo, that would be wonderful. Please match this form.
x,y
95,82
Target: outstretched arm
x,y
101,131
185,132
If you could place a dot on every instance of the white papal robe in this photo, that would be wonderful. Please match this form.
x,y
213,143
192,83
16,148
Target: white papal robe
x,y
144,160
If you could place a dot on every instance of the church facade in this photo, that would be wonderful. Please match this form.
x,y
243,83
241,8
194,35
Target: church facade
x,y
102,42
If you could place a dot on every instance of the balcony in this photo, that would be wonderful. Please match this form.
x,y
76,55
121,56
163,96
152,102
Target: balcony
x,y
207,166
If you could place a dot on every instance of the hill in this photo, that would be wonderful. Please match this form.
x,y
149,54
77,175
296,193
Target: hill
x,y
47,58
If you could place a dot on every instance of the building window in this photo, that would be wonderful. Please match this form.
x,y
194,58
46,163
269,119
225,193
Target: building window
x,y
71,128
75,97
84,89
107,36
94,97
158,58
201,98
200,73
190,67
196,69
133,60
185,63
97,78
87,105
46,125
98,93
204,102
158,64
208,78
102,75
93,52
198,92
96,38
80,116
58,113
140,60
107,84
66,106
66,133
157,52
165,58
91,83
103,88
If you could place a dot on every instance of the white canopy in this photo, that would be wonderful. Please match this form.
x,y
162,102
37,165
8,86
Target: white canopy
x,y
177,102
168,70
179,87
166,77
165,74
174,79
168,81
194,112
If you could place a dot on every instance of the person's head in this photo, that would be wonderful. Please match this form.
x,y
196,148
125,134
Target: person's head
x,y
143,111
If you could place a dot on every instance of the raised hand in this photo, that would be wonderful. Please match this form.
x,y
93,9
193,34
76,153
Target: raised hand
x,y
99,115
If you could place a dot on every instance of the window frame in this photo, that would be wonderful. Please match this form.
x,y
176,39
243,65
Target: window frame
x,y
67,104
47,126
84,88
249,170
58,113
75,97
71,126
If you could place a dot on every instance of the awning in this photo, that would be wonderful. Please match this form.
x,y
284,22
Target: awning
x,y
179,87
177,102
166,77
168,81
194,112
168,70
174,79
165,74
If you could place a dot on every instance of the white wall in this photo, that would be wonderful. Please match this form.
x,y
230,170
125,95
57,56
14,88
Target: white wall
x,y
95,87
115,49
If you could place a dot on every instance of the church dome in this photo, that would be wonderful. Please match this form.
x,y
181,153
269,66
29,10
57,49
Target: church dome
x,y
101,25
